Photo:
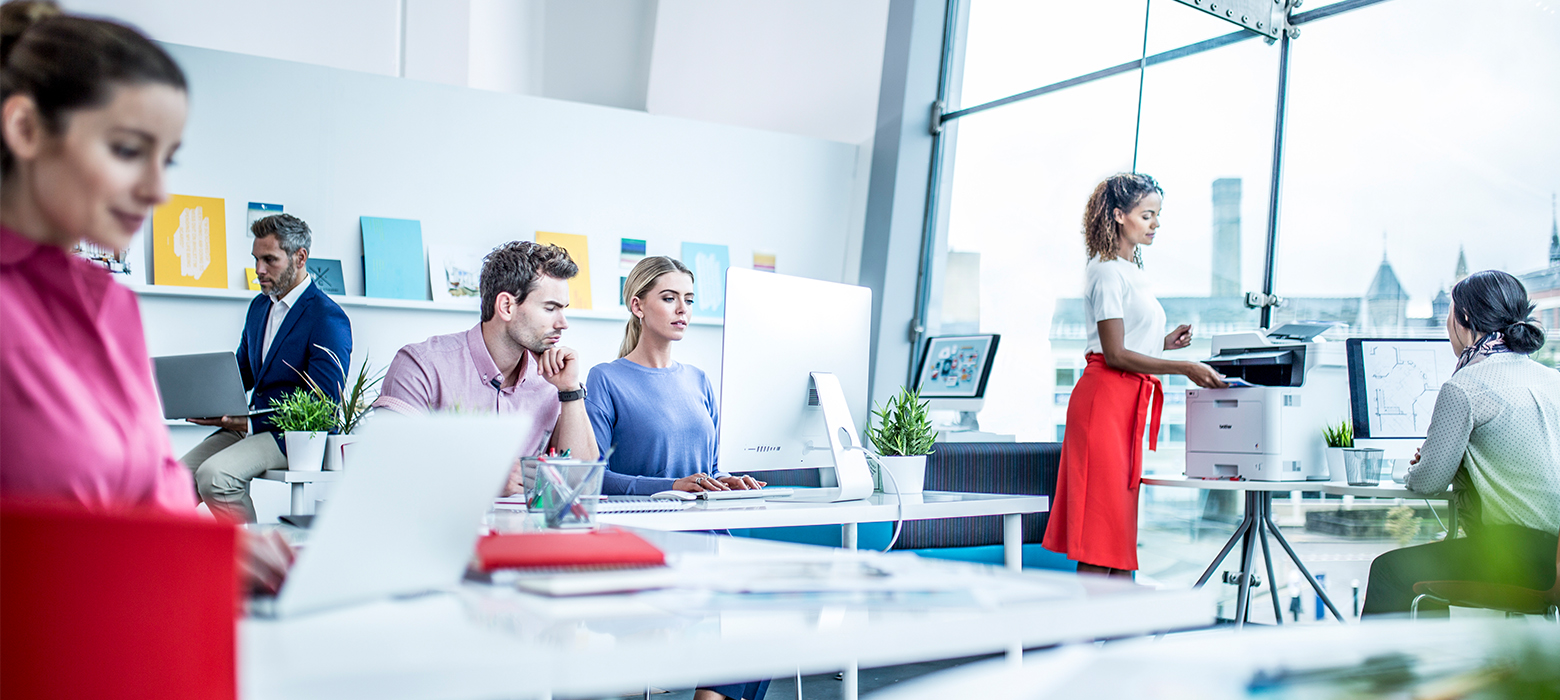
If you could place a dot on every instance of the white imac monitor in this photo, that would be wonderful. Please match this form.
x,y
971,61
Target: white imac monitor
x,y
1393,385
953,374
775,413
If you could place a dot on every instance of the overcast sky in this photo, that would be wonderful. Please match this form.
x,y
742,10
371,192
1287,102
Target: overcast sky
x,y
1423,124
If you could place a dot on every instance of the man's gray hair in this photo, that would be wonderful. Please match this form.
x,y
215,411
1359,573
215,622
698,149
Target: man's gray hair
x,y
290,231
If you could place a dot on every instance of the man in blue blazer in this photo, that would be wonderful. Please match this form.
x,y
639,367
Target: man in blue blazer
x,y
292,328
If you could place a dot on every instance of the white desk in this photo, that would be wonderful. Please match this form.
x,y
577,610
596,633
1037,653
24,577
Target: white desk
x,y
487,642
1220,665
723,515
297,479
1257,523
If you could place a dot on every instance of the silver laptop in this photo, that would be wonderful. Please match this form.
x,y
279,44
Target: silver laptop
x,y
403,520
206,385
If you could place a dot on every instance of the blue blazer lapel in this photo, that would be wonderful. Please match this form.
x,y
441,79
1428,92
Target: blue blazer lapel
x,y
288,323
255,333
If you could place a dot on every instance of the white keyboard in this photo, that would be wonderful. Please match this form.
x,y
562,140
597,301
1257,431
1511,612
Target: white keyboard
x,y
640,504
736,495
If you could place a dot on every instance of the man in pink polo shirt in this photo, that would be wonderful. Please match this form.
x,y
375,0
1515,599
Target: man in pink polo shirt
x,y
510,362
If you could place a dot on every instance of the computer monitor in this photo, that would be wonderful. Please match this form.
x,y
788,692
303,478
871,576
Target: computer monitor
x,y
1393,385
953,373
774,412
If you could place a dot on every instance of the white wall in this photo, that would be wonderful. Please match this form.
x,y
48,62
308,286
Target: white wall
x,y
360,35
478,168
808,67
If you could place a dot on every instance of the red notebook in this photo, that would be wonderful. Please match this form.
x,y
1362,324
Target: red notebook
x,y
605,548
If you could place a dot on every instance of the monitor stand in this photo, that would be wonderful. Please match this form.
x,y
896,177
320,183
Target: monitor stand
x,y
851,473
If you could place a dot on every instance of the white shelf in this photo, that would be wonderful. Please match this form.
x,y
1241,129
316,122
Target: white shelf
x,y
152,290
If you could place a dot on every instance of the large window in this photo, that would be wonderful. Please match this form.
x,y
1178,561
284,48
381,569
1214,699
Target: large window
x,y
1416,129
1419,144
1422,146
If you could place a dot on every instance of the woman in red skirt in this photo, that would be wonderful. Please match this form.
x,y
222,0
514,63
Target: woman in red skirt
x,y
1094,517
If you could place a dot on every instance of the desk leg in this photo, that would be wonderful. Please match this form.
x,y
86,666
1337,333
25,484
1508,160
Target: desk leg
x,y
851,687
1013,541
1247,545
1320,592
297,498
1451,518
1267,558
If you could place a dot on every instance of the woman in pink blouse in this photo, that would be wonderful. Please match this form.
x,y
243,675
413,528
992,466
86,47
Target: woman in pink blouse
x,y
91,113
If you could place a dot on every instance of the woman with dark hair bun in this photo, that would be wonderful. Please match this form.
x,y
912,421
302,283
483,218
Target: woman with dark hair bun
x,y
1494,436
91,113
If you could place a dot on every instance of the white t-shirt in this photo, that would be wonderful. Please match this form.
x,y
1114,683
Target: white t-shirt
x,y
1118,289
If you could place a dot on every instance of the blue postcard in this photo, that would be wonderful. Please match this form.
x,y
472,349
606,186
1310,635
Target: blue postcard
x,y
708,263
326,274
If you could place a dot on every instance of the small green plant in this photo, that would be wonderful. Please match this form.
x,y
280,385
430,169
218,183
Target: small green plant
x,y
1340,435
904,427
355,401
304,410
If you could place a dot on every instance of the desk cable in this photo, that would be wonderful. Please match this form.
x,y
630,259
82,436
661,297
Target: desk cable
x,y
899,498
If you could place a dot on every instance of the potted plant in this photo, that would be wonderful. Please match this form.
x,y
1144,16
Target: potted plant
x,y
903,438
1339,437
351,410
304,417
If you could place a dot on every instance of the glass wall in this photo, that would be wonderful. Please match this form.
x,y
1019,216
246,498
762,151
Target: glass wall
x,y
1422,146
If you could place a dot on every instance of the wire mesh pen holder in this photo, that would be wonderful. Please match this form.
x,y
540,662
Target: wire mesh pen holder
x,y
564,493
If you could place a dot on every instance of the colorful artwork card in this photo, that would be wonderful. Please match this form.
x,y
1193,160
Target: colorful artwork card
x,y
258,211
709,263
455,274
633,251
326,274
579,251
189,242
393,266
251,279
764,262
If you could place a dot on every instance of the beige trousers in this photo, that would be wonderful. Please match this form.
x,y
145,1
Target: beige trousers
x,y
224,463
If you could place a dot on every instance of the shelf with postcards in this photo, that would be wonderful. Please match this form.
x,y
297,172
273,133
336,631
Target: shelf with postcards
x,y
156,290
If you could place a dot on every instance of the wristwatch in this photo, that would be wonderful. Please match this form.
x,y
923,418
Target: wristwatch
x,y
567,396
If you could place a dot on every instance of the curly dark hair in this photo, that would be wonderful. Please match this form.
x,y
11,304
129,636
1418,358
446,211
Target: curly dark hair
x,y
514,266
1120,191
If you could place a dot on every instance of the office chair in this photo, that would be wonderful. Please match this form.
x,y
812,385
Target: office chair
x,y
118,606
1512,600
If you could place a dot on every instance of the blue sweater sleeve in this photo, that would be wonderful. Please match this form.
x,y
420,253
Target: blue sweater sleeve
x,y
602,409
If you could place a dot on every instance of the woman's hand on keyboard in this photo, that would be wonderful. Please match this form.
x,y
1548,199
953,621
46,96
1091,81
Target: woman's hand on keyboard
x,y
742,483
699,482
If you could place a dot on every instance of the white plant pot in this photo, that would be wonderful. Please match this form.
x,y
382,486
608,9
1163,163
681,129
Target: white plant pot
x,y
904,475
305,450
1335,465
336,448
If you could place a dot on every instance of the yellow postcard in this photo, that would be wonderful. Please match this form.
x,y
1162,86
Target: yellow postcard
x,y
189,243
579,252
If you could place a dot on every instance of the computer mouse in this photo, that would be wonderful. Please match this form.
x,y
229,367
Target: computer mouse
x,y
674,495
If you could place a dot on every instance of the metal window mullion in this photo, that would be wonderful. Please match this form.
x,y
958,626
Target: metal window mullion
x,y
1275,183
933,187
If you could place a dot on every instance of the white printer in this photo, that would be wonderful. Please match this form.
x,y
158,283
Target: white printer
x,y
1271,431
